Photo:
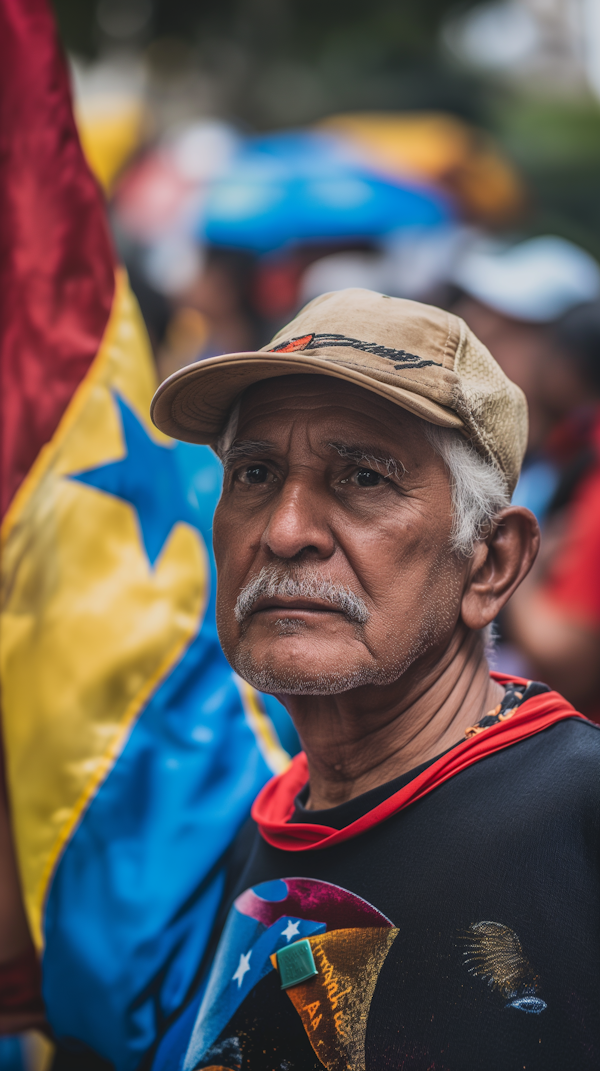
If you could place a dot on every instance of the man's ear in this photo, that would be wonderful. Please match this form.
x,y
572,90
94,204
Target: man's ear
x,y
499,564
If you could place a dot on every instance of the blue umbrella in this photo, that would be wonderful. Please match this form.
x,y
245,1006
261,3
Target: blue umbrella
x,y
304,186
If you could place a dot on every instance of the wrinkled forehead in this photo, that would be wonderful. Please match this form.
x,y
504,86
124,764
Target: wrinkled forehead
x,y
323,399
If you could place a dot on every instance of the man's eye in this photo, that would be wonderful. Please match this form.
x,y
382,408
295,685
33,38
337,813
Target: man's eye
x,y
254,474
368,478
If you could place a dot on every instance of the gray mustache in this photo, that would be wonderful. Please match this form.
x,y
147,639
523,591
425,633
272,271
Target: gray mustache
x,y
271,583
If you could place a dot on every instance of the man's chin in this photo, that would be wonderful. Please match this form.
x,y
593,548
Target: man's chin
x,y
286,679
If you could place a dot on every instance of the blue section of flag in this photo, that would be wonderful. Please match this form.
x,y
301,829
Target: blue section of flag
x,y
135,895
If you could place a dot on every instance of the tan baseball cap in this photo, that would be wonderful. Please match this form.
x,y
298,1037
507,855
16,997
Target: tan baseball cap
x,y
422,358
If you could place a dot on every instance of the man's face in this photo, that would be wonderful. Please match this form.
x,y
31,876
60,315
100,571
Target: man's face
x,y
332,540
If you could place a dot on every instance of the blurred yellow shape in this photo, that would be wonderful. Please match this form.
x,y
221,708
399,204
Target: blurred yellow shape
x,y
440,149
38,1051
110,133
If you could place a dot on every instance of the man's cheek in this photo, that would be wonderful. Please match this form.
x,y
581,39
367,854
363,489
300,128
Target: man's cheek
x,y
219,542
227,626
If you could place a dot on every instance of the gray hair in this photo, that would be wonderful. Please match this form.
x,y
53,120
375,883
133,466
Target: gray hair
x,y
479,489
229,430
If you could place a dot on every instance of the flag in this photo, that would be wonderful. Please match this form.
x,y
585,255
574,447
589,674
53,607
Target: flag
x,y
132,751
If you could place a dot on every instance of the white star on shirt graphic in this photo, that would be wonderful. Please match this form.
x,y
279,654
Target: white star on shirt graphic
x,y
243,967
291,930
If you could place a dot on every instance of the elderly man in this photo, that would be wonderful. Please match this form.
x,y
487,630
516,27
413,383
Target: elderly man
x,y
421,887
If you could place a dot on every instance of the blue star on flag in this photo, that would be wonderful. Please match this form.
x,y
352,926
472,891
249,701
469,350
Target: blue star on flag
x,y
149,478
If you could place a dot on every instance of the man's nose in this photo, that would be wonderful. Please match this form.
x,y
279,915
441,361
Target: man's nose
x,y
299,523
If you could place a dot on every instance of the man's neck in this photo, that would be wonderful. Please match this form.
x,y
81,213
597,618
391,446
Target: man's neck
x,y
358,740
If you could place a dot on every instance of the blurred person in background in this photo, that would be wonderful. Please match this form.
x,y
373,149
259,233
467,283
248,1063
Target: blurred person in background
x,y
222,292
555,620
512,298
536,307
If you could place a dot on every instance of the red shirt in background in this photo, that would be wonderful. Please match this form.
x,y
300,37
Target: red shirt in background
x,y
573,581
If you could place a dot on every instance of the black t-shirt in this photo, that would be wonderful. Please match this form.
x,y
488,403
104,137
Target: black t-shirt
x,y
342,816
461,934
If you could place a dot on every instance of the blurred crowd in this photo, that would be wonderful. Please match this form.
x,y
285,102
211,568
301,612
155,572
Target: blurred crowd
x,y
226,235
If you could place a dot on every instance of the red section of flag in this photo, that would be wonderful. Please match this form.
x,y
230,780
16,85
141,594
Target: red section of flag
x,y
274,804
56,258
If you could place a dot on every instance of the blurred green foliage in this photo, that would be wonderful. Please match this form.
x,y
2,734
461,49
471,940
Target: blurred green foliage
x,y
556,145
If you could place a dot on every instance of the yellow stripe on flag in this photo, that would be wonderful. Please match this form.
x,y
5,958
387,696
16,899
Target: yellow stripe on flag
x,y
271,750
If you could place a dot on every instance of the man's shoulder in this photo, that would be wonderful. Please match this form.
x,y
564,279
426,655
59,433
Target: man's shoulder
x,y
575,738
566,754
559,765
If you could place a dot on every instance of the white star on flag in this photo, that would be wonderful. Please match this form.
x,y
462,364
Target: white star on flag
x,y
243,967
291,930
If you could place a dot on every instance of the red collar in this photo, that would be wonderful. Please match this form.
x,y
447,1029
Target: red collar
x,y
275,803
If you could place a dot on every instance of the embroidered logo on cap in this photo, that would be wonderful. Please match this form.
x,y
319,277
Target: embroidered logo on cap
x,y
301,343
313,341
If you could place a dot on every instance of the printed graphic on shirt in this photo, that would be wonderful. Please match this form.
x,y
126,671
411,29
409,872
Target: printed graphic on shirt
x,y
493,953
349,940
308,976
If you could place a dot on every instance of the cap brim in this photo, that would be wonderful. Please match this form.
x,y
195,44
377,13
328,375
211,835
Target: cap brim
x,y
193,403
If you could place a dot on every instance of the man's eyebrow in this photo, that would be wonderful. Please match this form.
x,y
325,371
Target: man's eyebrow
x,y
364,453
360,453
246,448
